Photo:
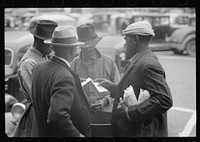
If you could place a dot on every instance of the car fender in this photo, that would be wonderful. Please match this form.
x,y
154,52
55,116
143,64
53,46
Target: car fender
x,y
186,39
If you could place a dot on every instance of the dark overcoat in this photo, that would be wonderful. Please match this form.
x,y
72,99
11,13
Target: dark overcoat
x,y
60,106
149,118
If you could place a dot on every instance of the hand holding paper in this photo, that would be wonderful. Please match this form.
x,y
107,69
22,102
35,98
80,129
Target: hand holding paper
x,y
129,96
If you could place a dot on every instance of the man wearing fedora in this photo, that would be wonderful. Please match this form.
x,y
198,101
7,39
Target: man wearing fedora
x,y
60,105
93,64
34,55
143,71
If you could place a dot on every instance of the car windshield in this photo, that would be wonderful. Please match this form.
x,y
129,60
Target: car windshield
x,y
8,56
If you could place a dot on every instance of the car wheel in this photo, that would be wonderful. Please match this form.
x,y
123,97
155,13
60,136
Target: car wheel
x,y
178,52
191,48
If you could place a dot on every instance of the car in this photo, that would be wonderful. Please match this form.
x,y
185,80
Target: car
x,y
16,45
183,41
162,25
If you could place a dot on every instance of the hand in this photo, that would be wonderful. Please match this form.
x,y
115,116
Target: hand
x,y
106,83
122,104
99,104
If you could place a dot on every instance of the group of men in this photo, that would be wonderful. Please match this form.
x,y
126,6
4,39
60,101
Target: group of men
x,y
56,105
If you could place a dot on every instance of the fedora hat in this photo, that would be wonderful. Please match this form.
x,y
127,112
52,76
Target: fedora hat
x,y
43,29
63,36
143,28
86,33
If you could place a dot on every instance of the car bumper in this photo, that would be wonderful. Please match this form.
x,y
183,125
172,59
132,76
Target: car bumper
x,y
174,45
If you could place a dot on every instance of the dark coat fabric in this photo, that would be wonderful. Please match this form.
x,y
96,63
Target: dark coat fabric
x,y
149,118
60,106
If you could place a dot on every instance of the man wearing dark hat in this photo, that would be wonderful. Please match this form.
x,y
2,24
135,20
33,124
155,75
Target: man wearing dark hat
x,y
148,118
60,105
34,55
93,64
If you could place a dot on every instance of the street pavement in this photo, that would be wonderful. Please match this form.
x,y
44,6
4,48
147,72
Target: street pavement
x,y
181,77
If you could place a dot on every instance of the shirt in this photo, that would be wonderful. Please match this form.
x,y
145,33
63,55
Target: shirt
x,y
102,67
28,61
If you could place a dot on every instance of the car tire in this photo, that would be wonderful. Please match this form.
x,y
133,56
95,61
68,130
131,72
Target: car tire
x,y
178,52
191,48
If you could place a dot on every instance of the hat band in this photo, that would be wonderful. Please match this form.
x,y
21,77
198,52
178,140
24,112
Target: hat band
x,y
68,40
87,38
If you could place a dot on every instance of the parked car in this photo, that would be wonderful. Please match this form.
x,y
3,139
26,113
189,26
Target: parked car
x,y
162,24
16,44
183,41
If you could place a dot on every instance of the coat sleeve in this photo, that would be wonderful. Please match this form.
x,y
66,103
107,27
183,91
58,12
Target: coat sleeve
x,y
25,73
160,96
60,106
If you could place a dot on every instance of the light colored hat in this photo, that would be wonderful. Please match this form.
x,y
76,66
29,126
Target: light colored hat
x,y
139,28
63,36
86,33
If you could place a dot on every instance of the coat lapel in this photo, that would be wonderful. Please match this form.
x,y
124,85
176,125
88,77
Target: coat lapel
x,y
134,60
59,61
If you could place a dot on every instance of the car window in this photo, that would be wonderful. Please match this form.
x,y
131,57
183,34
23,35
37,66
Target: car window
x,y
8,56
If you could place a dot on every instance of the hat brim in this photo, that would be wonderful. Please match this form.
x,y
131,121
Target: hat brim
x,y
91,43
48,42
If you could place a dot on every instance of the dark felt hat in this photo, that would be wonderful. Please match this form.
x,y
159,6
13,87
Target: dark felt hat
x,y
43,29
86,33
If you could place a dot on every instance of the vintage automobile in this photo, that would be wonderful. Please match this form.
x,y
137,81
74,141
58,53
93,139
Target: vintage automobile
x,y
16,44
174,32
183,40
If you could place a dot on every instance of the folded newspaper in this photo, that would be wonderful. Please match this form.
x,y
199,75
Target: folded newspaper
x,y
93,91
130,98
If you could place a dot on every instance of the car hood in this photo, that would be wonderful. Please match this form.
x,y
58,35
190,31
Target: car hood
x,y
179,34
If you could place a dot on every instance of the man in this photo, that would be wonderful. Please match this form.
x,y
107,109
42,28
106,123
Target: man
x,y
91,63
148,118
60,106
34,55
95,65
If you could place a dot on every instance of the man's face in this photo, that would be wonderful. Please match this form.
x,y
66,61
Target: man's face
x,y
130,45
88,51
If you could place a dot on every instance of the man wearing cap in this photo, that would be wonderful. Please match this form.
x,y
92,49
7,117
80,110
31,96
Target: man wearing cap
x,y
34,55
60,106
148,118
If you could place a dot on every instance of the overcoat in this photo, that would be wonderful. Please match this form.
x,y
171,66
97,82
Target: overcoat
x,y
60,106
149,118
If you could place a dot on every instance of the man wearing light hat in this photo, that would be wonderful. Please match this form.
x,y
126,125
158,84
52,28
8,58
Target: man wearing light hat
x,y
35,54
148,118
60,106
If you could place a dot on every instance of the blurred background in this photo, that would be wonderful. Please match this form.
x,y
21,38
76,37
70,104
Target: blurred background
x,y
174,45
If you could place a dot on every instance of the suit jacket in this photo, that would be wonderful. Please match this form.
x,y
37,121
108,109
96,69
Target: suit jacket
x,y
60,106
148,118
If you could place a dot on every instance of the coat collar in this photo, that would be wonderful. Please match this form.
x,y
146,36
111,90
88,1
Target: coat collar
x,y
135,59
60,61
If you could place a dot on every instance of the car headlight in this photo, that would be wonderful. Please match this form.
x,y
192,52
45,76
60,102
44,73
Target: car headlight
x,y
17,110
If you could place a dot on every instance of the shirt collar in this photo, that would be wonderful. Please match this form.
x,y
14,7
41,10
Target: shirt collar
x,y
63,60
36,51
97,54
